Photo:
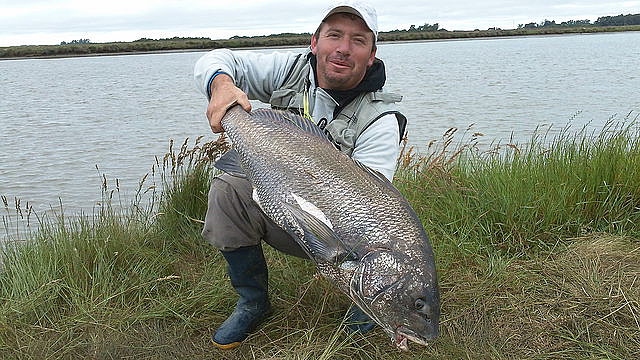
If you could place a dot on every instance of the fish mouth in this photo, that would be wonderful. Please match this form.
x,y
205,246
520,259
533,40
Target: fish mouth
x,y
402,336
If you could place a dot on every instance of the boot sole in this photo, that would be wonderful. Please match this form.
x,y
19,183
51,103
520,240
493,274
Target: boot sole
x,y
230,346
235,344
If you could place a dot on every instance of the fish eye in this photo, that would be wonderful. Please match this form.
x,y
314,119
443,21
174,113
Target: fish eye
x,y
419,304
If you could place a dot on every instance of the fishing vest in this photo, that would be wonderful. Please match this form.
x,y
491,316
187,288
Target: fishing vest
x,y
354,118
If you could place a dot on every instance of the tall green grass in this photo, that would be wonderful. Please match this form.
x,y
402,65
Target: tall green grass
x,y
519,198
536,244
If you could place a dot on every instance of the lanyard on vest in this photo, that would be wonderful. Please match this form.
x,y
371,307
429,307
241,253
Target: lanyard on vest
x,y
305,104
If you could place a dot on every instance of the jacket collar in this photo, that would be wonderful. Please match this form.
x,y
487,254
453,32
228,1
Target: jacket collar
x,y
373,80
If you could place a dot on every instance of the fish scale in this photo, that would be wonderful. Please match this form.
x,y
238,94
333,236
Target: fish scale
x,y
358,229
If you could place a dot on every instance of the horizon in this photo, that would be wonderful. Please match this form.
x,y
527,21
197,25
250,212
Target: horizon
x,y
34,22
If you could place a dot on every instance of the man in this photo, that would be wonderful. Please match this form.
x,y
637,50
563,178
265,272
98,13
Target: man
x,y
338,82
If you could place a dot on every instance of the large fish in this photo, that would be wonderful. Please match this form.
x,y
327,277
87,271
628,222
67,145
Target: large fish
x,y
358,229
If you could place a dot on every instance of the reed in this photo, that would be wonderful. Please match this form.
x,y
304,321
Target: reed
x,y
518,198
536,246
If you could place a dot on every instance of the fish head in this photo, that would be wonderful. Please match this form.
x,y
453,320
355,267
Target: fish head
x,y
399,291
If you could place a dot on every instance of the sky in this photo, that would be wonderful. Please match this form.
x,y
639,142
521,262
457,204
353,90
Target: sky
x,y
41,22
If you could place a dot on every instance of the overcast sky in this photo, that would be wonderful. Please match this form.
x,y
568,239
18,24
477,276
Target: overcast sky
x,y
52,21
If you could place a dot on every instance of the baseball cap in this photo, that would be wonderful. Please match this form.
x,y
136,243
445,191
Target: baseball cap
x,y
358,8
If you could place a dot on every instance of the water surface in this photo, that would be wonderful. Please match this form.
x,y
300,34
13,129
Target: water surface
x,y
60,118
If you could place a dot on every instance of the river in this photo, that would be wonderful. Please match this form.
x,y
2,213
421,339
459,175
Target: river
x,y
62,118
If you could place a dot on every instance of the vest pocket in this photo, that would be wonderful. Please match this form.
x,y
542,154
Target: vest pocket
x,y
341,134
284,98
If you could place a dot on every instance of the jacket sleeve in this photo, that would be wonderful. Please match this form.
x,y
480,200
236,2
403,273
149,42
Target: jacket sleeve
x,y
255,73
378,146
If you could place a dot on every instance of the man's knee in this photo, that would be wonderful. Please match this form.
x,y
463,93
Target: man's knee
x,y
231,221
234,220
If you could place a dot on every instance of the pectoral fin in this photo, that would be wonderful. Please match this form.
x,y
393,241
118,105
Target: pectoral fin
x,y
229,162
319,240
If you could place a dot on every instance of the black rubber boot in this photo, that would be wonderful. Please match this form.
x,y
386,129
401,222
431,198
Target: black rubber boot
x,y
248,272
358,321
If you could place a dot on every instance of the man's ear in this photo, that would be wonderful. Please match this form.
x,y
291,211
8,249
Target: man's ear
x,y
314,44
372,57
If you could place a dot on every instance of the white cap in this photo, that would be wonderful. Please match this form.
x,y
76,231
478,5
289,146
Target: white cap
x,y
358,8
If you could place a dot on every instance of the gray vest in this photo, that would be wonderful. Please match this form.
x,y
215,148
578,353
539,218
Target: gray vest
x,y
354,119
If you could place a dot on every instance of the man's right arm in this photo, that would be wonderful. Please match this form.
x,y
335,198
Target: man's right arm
x,y
224,94
228,78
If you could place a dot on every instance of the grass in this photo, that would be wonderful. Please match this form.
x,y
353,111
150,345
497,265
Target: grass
x,y
537,251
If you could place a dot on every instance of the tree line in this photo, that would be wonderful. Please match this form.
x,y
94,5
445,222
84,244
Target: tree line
x,y
423,32
79,41
422,28
619,20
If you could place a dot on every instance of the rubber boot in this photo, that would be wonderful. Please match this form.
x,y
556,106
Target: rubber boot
x,y
248,272
358,321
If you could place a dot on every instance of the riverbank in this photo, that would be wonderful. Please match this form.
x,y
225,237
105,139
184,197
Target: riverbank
x,y
537,250
147,46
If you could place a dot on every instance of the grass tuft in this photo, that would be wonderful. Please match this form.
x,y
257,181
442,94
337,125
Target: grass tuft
x,y
521,198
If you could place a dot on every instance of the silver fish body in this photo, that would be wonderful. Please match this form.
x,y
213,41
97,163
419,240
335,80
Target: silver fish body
x,y
358,229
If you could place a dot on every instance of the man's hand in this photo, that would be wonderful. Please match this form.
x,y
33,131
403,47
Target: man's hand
x,y
224,94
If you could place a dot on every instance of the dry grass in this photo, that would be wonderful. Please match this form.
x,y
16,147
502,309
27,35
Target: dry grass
x,y
577,302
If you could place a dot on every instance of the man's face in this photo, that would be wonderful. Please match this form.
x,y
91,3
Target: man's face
x,y
344,50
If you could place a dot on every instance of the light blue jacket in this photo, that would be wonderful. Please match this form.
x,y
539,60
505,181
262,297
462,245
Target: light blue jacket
x,y
259,74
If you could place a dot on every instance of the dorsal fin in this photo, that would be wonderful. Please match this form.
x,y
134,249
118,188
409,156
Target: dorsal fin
x,y
379,177
280,115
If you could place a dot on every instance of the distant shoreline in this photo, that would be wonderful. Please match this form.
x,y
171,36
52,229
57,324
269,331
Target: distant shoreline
x,y
295,41
63,56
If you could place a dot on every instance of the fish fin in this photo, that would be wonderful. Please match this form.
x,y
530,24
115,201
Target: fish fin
x,y
313,210
372,172
303,123
229,162
378,176
256,198
319,240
